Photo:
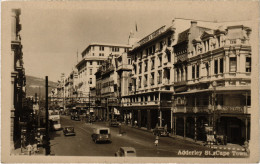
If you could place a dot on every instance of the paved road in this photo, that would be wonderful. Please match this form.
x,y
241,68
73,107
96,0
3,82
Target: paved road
x,y
142,141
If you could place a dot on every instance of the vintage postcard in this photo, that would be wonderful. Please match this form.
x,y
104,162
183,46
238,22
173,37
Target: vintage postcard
x,y
130,81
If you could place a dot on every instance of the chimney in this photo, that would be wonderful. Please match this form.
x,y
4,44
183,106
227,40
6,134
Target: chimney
x,y
193,23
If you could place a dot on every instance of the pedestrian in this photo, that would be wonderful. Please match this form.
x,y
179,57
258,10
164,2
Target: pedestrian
x,y
35,148
29,148
156,142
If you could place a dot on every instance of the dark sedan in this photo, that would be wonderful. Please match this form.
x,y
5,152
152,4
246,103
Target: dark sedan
x,y
69,131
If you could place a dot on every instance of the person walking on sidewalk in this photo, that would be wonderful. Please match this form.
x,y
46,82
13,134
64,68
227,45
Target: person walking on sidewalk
x,y
29,148
156,142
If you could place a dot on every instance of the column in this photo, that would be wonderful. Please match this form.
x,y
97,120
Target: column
x,y
184,123
175,122
246,124
132,122
139,118
171,122
160,112
238,60
227,62
148,119
195,128
107,113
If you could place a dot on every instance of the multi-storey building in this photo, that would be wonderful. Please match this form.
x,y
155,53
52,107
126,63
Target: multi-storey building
x,y
92,58
106,87
70,90
151,85
212,83
112,83
17,80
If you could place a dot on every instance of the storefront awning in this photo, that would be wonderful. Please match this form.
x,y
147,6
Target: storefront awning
x,y
228,89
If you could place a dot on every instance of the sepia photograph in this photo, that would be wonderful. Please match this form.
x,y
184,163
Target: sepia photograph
x,y
129,81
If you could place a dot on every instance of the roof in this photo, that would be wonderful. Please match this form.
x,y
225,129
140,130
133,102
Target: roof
x,y
183,36
105,44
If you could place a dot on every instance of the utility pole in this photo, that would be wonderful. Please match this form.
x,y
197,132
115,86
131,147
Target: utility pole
x,y
47,148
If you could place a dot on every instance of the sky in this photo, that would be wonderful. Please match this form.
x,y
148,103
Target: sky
x,y
53,34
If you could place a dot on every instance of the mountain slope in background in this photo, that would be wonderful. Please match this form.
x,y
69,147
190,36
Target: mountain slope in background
x,y
37,85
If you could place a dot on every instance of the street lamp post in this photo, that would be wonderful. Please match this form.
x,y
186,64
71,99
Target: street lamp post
x,y
214,85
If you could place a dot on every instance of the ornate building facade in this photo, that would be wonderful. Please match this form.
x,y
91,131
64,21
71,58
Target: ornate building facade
x,y
92,58
17,79
212,83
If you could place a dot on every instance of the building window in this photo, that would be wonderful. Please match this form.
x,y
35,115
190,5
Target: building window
x,y
115,49
90,63
93,48
193,72
161,45
147,51
177,74
152,65
140,68
145,66
169,41
153,49
207,68
126,49
216,66
248,64
221,65
233,64
129,61
139,82
101,48
198,71
152,78
90,80
93,54
90,71
159,77
145,80
160,61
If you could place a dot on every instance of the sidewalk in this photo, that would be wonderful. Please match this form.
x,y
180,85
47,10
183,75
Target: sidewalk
x,y
229,146
25,152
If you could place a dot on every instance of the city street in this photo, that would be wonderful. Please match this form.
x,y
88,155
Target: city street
x,y
142,141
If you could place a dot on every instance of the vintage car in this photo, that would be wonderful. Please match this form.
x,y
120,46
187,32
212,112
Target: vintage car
x,y
161,131
69,131
126,152
77,117
114,123
101,135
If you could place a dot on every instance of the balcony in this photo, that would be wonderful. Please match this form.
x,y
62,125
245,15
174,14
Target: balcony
x,y
166,81
219,110
124,67
234,109
166,103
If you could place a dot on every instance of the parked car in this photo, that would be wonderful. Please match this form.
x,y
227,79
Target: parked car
x,y
114,123
72,116
126,152
77,117
69,131
101,135
161,131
